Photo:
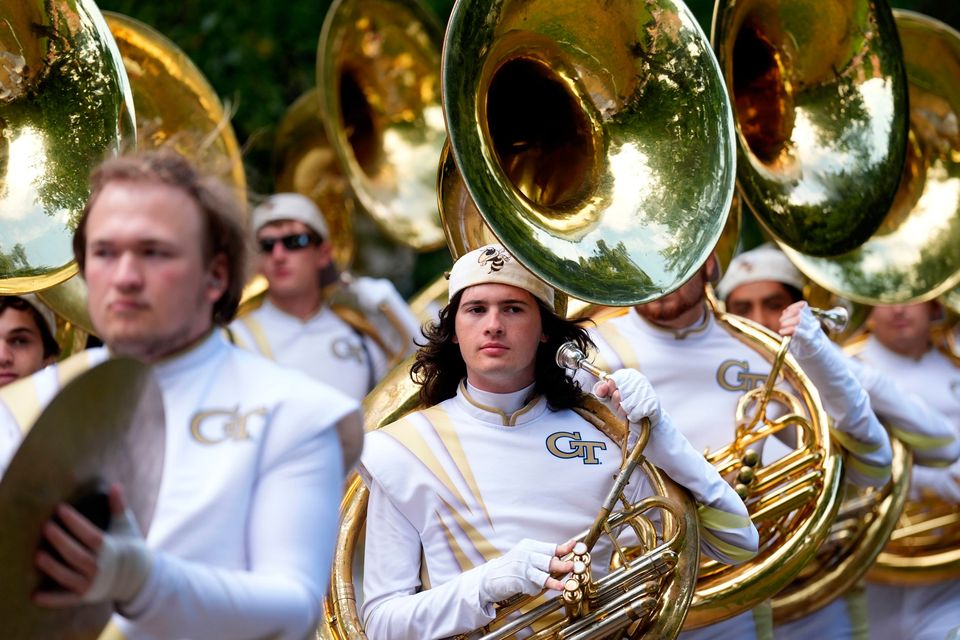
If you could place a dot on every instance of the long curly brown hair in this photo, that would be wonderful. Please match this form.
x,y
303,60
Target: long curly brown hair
x,y
439,367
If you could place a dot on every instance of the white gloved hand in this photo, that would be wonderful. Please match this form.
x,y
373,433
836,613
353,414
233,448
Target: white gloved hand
x,y
634,397
372,292
123,562
809,338
523,569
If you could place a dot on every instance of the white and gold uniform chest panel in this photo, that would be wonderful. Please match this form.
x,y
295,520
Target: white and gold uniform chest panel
x,y
474,481
324,347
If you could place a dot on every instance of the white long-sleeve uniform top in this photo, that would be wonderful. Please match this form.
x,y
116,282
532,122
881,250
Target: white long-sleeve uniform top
x,y
700,375
463,482
936,381
324,347
246,516
925,612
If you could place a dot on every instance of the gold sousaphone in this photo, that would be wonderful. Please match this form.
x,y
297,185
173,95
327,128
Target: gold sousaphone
x,y
608,118
820,98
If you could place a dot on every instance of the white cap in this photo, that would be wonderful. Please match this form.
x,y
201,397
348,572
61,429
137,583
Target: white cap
x,y
764,264
491,264
290,206
45,312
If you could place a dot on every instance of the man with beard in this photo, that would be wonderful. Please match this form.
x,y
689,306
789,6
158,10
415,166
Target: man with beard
x,y
899,345
242,534
700,371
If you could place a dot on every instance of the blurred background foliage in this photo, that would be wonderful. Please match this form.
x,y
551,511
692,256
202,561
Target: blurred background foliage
x,y
261,55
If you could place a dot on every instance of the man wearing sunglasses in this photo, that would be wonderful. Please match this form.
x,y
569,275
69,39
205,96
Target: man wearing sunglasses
x,y
299,324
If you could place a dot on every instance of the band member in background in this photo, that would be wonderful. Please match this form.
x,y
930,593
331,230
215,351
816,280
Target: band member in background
x,y
297,326
687,355
27,342
761,284
899,345
242,536
475,498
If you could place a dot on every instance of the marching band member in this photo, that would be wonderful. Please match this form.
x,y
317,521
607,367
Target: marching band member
x,y
242,537
296,325
760,285
27,342
686,354
899,345
473,498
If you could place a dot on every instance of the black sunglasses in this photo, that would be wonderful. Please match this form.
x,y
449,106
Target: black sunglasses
x,y
292,242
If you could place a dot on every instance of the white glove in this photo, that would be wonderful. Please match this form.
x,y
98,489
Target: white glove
x,y
372,292
808,337
637,398
123,562
523,569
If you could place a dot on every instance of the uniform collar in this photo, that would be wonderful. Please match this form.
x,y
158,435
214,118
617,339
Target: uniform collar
x,y
694,331
200,352
501,409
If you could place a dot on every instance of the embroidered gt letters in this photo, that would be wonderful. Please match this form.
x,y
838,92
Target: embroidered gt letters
x,y
740,379
566,445
216,425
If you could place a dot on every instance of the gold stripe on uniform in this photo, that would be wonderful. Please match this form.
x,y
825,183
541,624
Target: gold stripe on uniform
x,y
259,336
719,520
442,425
484,547
111,632
406,434
462,560
735,553
23,402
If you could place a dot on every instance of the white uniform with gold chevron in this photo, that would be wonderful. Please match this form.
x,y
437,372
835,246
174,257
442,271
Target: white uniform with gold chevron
x,y
246,516
461,483
924,612
700,374
324,347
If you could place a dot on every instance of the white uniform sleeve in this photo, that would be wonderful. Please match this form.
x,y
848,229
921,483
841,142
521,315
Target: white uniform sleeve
x,y
292,530
394,608
928,432
10,438
944,483
726,532
855,426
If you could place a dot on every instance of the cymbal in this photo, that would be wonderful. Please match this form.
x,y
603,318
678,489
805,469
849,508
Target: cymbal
x,y
105,426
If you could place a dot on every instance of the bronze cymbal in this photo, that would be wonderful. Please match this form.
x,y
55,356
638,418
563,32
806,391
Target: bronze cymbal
x,y
105,426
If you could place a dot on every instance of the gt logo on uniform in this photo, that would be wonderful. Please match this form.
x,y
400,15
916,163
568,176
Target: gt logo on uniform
x,y
567,444
214,426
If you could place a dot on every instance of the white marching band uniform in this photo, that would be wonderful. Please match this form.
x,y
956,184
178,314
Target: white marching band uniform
x,y
701,372
931,611
455,486
324,347
243,533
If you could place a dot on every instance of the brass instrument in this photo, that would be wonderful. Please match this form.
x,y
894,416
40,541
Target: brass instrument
x,y
65,103
650,588
378,70
913,255
792,501
821,115
924,548
176,106
553,126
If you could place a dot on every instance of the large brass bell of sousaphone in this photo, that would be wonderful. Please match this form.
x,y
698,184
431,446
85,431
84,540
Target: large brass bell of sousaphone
x,y
915,254
65,105
820,98
378,72
598,146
